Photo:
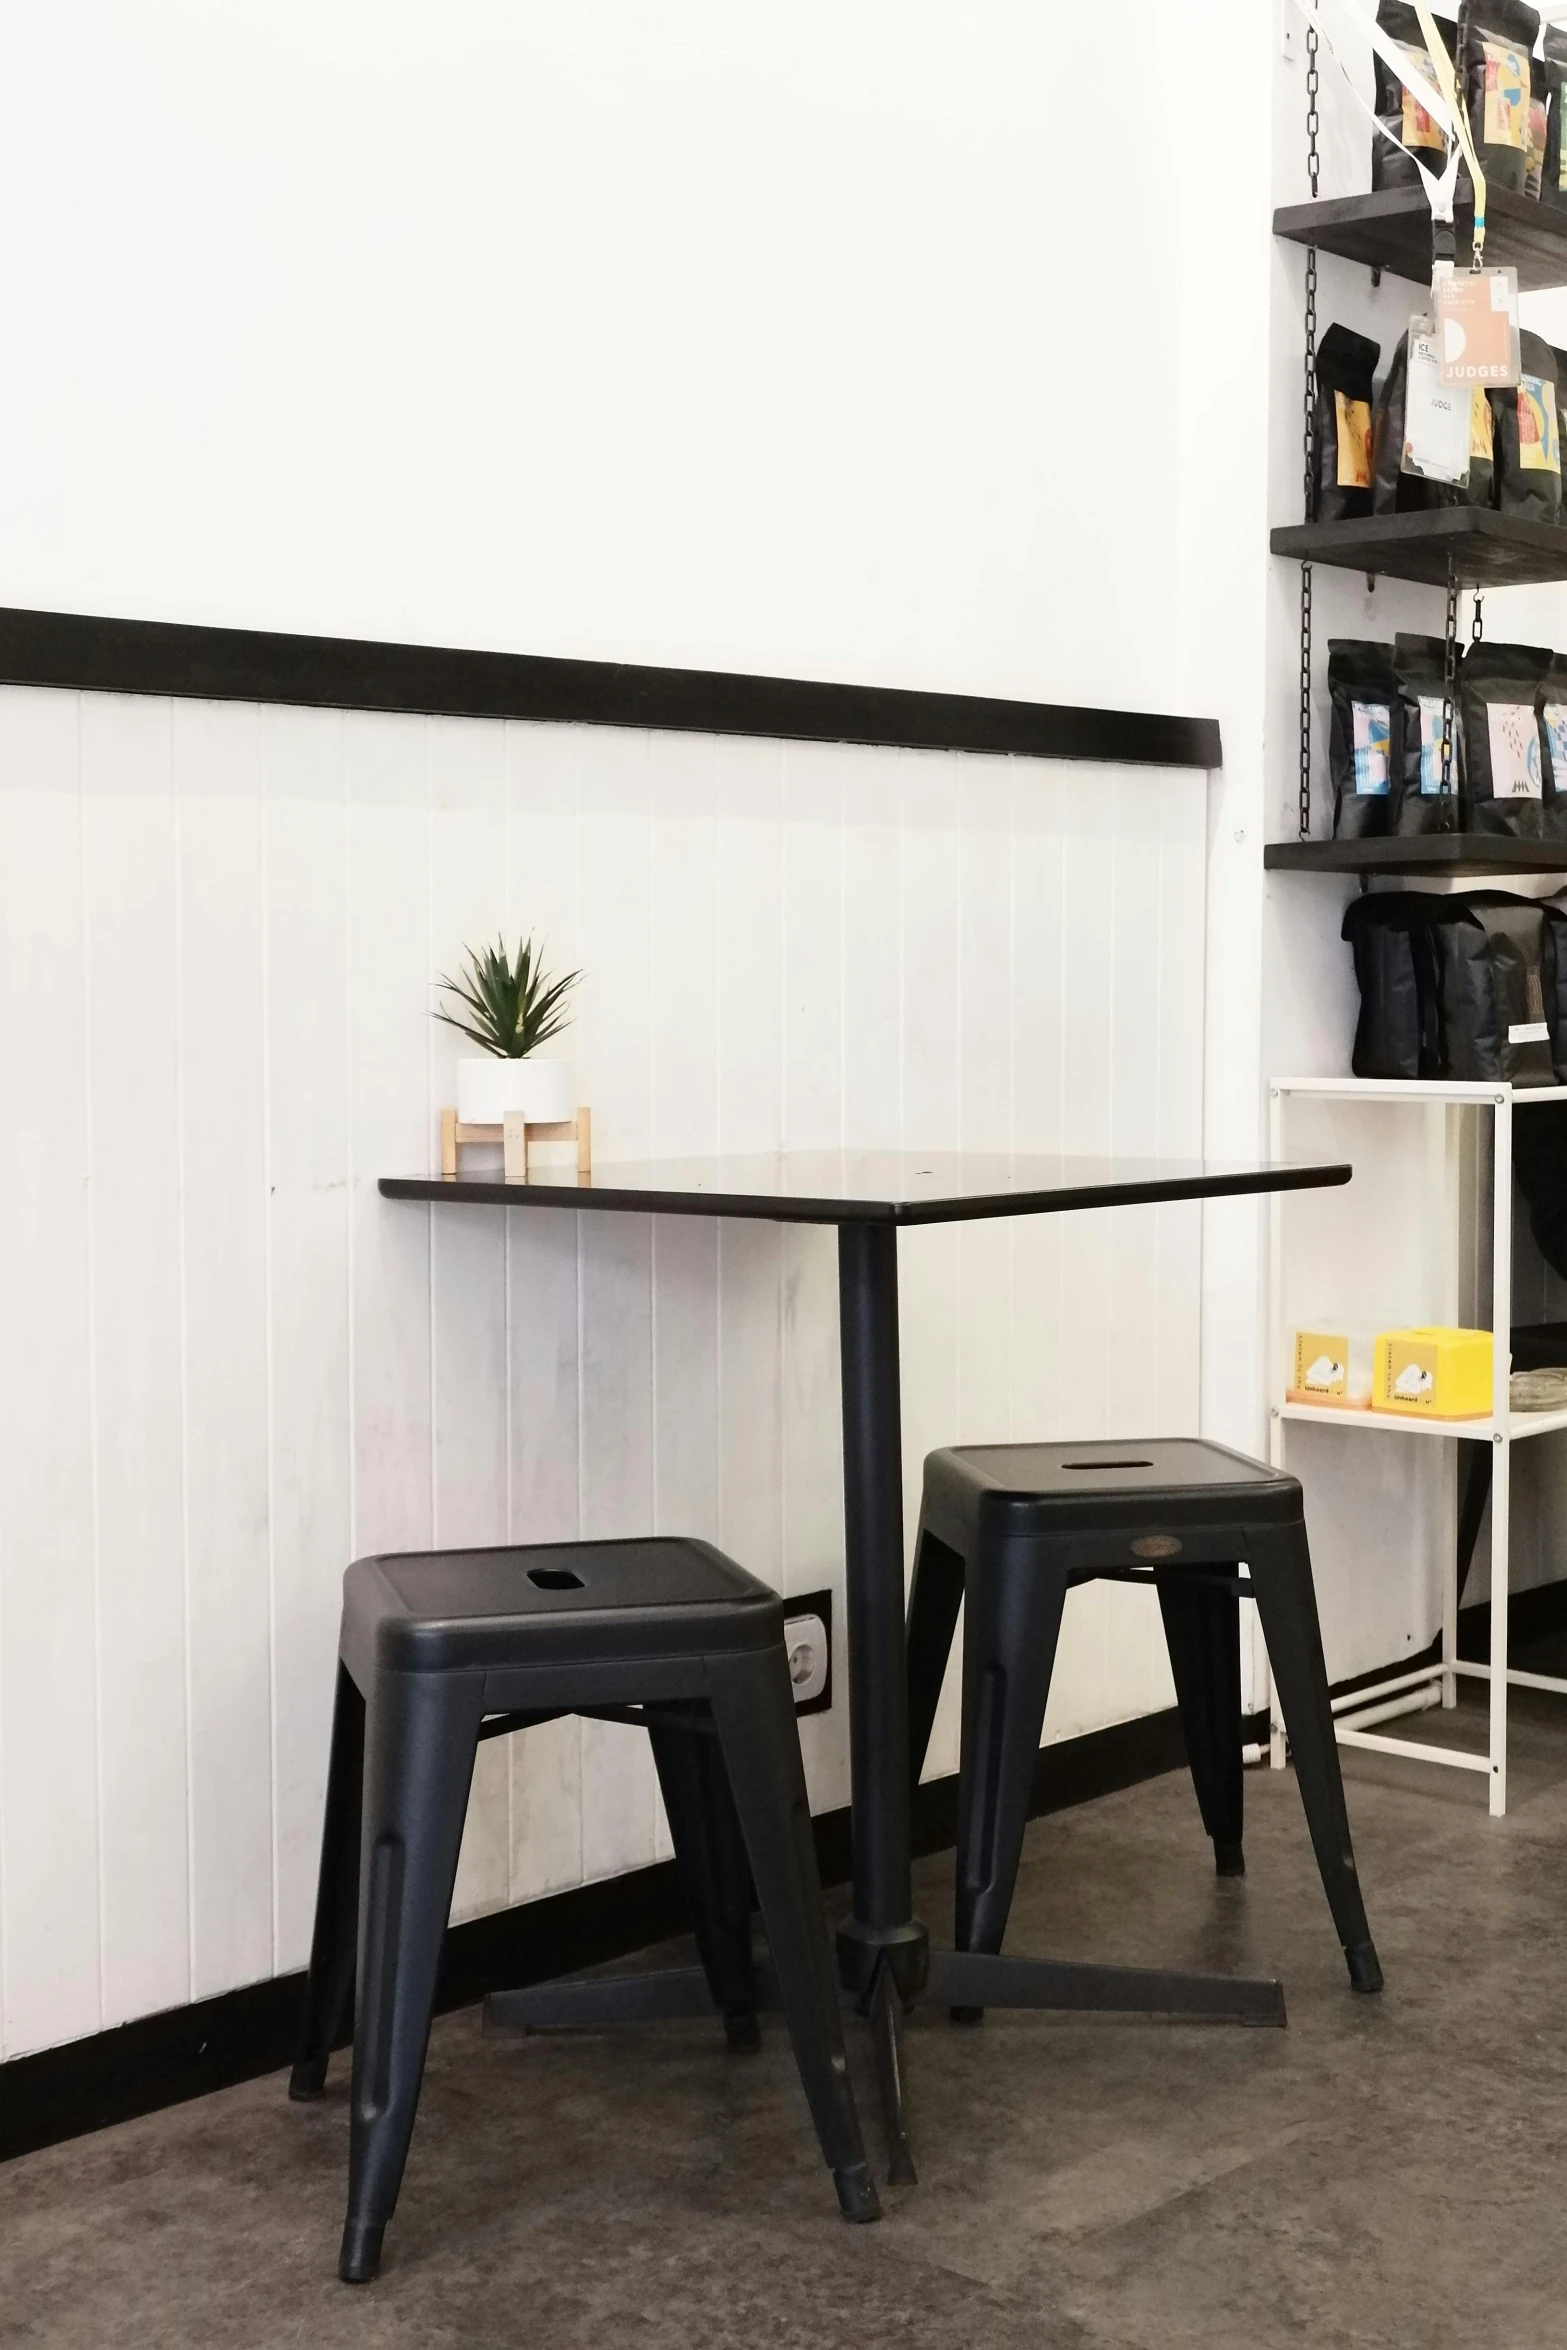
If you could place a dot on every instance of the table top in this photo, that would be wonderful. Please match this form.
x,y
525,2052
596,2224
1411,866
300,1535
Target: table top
x,y
875,1187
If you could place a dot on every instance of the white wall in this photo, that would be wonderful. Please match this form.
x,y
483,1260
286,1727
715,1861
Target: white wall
x,y
650,330
228,1365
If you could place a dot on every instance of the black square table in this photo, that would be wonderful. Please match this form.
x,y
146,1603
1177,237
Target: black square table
x,y
884,1953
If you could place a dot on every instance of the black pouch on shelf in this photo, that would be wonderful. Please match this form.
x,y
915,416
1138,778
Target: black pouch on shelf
x,y
1553,747
1360,735
1540,1346
1399,108
1553,179
1396,491
1540,1164
1499,732
1491,952
1495,39
1527,437
1553,975
1419,802
1388,483
1539,118
1341,486
1398,1031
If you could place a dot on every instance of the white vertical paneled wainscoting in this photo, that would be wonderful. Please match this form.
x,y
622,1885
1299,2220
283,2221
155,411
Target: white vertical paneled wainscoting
x,y
227,1365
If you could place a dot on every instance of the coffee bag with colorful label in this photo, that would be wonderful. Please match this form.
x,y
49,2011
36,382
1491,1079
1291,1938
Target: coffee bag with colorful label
x,y
1504,780
1397,106
1528,437
1346,364
1362,691
1425,799
1495,41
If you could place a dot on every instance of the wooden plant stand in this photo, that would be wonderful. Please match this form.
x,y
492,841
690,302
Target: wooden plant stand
x,y
514,1137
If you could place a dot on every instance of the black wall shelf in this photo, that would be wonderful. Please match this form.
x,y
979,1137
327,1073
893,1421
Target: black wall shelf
x,y
1485,550
1391,230
1437,855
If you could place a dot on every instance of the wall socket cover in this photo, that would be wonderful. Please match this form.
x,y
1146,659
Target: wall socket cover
x,y
808,1640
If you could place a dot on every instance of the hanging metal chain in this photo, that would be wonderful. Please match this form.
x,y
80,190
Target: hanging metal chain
x,y
1449,680
1308,435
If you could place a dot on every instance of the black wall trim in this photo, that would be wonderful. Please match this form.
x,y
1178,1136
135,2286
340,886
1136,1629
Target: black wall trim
x,y
249,665
163,2059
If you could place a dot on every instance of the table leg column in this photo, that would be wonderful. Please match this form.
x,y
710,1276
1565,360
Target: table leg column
x,y
883,1949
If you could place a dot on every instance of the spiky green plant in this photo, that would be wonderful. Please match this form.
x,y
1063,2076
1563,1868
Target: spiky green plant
x,y
510,1007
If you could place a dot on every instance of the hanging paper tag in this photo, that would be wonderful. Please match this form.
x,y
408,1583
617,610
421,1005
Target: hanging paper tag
x,y
1477,319
1437,416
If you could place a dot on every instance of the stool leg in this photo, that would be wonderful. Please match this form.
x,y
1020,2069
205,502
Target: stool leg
x,y
1013,1621
1202,1630
710,1859
753,1707
934,1600
1280,1564
421,1734
329,1987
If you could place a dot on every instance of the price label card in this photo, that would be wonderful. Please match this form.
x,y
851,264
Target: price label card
x,y
1477,326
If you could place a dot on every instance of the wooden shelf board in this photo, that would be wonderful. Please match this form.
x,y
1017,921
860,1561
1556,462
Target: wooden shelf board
x,y
1391,230
1454,854
1485,549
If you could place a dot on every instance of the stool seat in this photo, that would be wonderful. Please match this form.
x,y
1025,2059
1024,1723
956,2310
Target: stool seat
x,y
666,1633
1133,1483
435,1611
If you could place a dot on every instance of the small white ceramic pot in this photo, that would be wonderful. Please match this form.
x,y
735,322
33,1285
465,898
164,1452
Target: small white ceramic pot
x,y
489,1087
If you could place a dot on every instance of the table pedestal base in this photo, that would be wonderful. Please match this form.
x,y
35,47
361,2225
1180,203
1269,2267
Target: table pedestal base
x,y
883,1981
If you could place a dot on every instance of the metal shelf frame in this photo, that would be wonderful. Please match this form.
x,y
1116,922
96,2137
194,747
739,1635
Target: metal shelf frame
x,y
1433,1684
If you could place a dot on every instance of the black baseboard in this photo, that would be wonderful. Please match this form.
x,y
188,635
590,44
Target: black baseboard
x,y
186,2052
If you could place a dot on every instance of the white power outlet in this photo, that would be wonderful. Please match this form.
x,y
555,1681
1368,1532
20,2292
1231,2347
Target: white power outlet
x,y
810,1654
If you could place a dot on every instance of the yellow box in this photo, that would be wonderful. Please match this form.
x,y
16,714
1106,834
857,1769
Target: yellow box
x,y
1433,1374
1321,1367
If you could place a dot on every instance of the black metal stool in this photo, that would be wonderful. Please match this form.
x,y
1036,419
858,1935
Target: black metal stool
x,y
443,1648
1007,1529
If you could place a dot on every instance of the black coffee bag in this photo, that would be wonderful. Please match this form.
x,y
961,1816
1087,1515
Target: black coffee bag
x,y
1397,106
1495,40
1553,179
1539,116
1554,972
1552,707
1498,689
1363,692
1528,437
1491,949
1419,803
1346,363
1398,1032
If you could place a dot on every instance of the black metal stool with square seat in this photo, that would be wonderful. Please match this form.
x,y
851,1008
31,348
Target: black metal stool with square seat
x,y
1006,1530
443,1648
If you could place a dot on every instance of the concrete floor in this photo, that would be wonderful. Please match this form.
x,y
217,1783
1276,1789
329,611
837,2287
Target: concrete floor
x,y
1386,2172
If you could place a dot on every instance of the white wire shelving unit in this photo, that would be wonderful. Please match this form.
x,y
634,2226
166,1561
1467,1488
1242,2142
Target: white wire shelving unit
x,y
1436,1683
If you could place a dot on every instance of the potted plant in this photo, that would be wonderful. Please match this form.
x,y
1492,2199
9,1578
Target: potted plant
x,y
509,1006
